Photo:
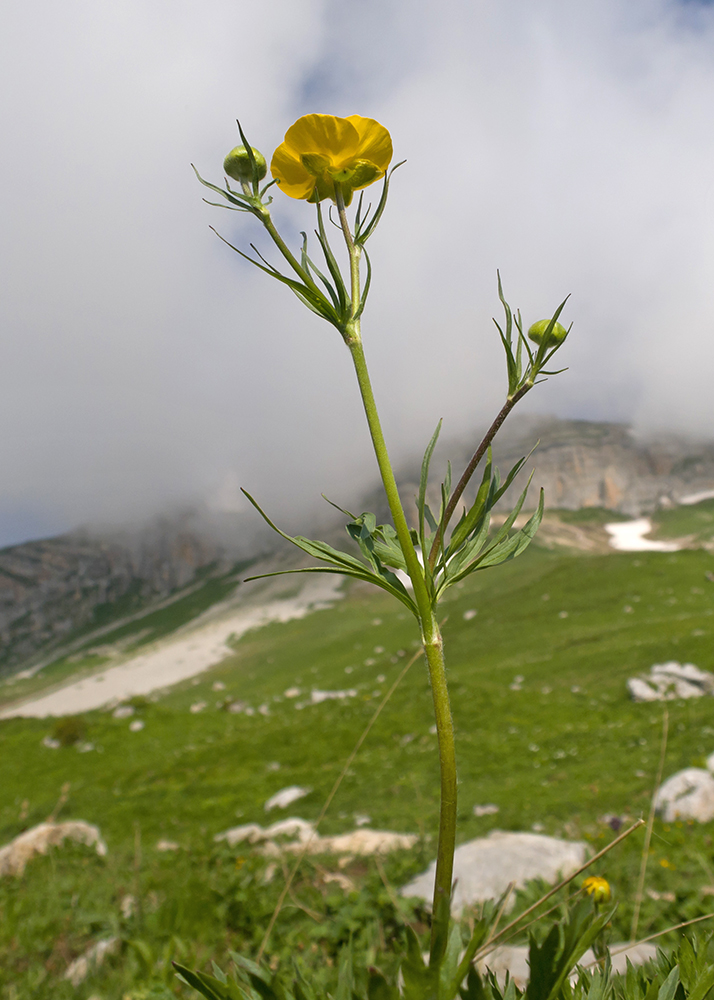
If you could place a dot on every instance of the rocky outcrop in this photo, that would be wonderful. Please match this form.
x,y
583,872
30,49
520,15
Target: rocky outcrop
x,y
53,587
15,855
585,464
581,463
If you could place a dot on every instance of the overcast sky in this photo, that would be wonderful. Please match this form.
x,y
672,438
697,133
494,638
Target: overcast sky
x,y
144,365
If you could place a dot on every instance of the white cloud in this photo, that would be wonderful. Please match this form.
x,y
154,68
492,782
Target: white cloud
x,y
569,145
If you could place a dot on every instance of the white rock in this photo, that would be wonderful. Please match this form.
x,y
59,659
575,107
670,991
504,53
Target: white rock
x,y
688,794
91,959
357,842
286,796
167,845
50,743
256,834
198,706
362,842
292,692
218,686
316,696
483,868
640,690
486,810
514,960
123,712
670,681
136,725
38,840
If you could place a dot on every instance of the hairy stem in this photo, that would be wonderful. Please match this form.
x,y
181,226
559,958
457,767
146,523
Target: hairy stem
x,y
430,633
441,907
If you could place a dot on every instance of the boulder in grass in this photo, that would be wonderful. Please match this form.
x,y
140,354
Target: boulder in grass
x,y
15,855
485,867
513,959
296,835
688,794
671,681
286,796
91,960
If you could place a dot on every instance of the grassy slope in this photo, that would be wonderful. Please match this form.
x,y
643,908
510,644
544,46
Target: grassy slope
x,y
566,749
126,625
696,520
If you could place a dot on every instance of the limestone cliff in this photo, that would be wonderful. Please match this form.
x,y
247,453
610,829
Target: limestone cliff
x,y
52,587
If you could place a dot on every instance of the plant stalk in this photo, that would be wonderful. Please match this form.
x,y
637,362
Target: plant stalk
x,y
430,632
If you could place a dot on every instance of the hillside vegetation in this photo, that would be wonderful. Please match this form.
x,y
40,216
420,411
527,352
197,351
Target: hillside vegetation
x,y
562,749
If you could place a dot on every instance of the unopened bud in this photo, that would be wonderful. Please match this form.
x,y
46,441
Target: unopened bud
x,y
538,330
238,166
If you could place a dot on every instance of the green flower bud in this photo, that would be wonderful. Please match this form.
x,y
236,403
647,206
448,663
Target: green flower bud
x,y
238,166
556,335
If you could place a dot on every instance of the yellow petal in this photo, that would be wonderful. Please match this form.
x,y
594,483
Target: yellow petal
x,y
375,142
335,138
292,176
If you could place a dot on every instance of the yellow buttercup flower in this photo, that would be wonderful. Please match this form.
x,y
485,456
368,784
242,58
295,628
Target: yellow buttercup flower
x,y
320,150
598,888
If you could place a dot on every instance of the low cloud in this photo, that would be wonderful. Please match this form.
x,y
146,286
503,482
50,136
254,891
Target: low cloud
x,y
146,366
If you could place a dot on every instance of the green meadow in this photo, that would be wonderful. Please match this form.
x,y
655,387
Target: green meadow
x,y
538,654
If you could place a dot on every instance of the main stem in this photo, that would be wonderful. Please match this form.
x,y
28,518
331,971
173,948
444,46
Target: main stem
x,y
430,632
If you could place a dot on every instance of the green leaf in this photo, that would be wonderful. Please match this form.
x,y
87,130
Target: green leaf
x,y
420,981
478,936
308,265
430,519
345,976
264,989
302,990
669,986
687,962
512,474
248,966
333,266
424,482
365,230
703,984
340,562
311,297
379,989
542,960
475,989
207,986
366,287
516,544
449,964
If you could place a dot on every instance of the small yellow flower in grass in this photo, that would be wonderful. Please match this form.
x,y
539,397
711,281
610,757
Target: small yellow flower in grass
x,y
320,150
598,888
